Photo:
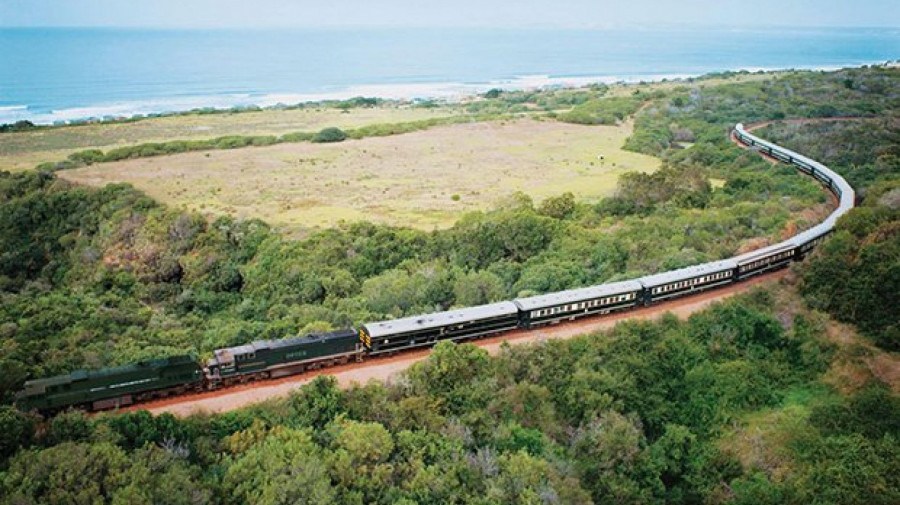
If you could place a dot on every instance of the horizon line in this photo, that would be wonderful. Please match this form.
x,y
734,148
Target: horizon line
x,y
614,26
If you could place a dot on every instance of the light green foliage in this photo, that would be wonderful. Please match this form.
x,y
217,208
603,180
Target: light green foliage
x,y
101,473
476,288
286,467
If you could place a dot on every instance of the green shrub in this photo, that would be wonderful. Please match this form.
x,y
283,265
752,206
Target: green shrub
x,y
330,134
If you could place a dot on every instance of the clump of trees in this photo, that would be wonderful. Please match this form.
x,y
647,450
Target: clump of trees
x,y
607,110
331,134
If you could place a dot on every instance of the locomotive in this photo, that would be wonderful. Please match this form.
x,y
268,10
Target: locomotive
x,y
114,387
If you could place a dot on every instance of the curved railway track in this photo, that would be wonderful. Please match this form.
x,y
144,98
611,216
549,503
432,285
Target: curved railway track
x,y
522,319
386,368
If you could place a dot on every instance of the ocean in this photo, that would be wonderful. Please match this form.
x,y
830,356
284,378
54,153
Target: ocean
x,y
57,75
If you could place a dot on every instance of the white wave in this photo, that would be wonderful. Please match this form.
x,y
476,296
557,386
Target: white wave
x,y
449,91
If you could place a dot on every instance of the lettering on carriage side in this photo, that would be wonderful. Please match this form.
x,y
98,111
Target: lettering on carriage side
x,y
295,354
123,384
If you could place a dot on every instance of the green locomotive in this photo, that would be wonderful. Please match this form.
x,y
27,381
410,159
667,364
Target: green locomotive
x,y
113,387
278,358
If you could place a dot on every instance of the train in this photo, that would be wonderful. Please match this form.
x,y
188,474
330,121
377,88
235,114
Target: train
x,y
115,387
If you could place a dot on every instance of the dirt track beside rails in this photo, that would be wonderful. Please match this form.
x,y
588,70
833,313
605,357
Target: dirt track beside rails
x,y
386,368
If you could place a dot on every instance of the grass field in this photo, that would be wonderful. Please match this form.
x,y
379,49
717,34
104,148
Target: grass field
x,y
424,179
24,150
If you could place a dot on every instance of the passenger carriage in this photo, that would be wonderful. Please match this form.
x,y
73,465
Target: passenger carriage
x,y
685,281
417,331
574,303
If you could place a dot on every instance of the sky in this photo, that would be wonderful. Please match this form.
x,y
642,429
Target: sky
x,y
461,13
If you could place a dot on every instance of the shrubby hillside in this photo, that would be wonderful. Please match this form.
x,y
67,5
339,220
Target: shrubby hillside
x,y
647,413
93,278
856,277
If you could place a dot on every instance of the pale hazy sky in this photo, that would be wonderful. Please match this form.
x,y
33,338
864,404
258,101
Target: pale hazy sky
x,y
481,13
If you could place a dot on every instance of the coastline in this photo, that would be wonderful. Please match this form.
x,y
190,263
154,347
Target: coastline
x,y
448,91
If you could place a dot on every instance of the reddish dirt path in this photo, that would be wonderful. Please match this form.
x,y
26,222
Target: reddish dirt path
x,y
386,368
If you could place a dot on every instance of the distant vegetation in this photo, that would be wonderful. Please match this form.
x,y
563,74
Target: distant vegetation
x,y
351,103
603,110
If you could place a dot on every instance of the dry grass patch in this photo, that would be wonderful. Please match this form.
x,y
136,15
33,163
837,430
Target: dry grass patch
x,y
23,150
424,179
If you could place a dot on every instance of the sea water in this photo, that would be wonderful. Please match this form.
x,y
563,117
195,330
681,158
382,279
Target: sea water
x,y
52,75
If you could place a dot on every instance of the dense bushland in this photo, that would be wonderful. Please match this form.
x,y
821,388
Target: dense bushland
x,y
636,415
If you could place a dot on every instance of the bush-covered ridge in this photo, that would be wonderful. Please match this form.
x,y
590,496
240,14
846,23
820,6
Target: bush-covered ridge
x,y
100,277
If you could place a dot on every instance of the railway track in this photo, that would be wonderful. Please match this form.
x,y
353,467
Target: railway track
x,y
519,320
386,368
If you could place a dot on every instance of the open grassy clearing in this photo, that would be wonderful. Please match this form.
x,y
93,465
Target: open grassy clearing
x,y
424,179
24,150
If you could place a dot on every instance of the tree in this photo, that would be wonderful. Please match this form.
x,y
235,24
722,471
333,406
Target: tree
x,y
559,207
317,403
330,134
451,374
285,468
16,431
477,288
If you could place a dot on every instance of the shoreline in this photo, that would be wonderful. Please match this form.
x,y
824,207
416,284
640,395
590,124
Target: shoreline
x,y
446,91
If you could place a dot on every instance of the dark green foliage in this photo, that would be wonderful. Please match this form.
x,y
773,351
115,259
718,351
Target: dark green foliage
x,y
16,431
641,193
873,412
602,111
559,207
330,135
18,126
856,274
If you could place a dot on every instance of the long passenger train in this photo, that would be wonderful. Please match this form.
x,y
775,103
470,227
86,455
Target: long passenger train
x,y
113,387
